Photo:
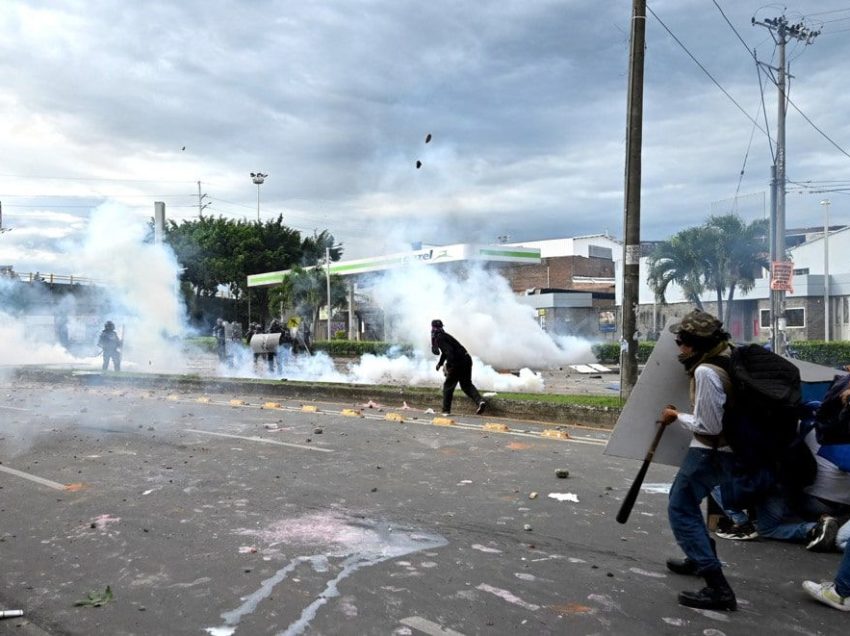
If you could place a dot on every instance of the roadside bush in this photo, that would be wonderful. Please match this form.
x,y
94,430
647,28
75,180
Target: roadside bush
x,y
204,343
834,354
830,354
356,348
609,352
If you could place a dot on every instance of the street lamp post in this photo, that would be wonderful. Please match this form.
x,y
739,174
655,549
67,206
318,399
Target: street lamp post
x,y
825,203
328,279
258,178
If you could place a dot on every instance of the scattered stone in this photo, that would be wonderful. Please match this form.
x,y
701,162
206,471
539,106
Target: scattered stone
x,y
532,495
317,431
562,473
374,490
527,528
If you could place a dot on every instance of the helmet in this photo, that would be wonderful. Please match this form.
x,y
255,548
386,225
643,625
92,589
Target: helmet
x,y
109,326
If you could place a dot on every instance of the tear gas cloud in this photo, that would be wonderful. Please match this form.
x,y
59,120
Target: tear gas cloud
x,y
142,298
137,288
477,306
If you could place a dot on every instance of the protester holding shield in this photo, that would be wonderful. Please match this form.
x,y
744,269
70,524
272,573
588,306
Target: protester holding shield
x,y
708,461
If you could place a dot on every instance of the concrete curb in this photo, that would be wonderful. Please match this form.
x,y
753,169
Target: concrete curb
x,y
566,414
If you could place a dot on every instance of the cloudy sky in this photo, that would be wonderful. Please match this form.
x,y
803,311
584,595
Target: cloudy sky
x,y
108,102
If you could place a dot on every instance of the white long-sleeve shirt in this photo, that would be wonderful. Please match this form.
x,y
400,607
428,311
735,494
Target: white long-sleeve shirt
x,y
709,398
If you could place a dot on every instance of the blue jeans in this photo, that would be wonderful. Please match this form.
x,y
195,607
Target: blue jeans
x,y
842,577
738,517
701,470
776,520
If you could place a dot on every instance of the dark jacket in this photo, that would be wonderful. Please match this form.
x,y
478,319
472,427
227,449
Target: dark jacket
x,y
109,340
451,352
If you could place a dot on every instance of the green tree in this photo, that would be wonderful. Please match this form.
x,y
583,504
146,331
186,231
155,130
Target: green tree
x,y
306,293
215,252
682,260
313,248
722,255
739,251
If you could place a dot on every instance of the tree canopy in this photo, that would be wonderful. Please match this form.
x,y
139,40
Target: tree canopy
x,y
216,251
722,255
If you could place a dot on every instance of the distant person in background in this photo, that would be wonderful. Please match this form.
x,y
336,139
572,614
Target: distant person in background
x,y
272,357
253,329
458,367
110,344
218,333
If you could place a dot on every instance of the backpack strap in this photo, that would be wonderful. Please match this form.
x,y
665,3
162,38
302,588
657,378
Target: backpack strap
x,y
716,441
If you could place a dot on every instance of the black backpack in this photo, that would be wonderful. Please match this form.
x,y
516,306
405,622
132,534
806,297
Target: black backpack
x,y
761,418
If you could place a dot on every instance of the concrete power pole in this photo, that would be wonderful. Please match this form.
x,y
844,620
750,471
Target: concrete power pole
x,y
201,205
631,221
782,32
158,222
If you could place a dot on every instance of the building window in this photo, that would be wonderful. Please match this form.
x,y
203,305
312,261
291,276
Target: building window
x,y
801,272
794,317
600,252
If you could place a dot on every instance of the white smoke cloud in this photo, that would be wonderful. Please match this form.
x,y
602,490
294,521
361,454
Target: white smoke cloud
x,y
141,281
480,310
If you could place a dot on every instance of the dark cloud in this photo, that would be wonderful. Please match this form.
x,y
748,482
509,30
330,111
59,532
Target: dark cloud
x,y
526,102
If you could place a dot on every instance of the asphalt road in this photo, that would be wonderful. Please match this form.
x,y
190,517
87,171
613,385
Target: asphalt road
x,y
212,517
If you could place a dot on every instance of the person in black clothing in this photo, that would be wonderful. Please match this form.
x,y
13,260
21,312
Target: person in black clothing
x,y
273,358
219,335
458,367
110,343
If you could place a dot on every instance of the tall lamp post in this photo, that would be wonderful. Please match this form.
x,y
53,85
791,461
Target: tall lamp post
x,y
328,249
258,178
825,203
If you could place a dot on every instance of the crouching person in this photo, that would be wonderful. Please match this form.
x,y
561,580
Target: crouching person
x,y
708,461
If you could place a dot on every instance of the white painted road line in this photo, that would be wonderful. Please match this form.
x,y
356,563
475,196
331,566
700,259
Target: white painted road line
x,y
36,479
424,625
14,408
261,440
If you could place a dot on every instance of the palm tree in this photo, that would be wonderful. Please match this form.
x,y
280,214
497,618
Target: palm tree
x,y
723,255
740,250
682,260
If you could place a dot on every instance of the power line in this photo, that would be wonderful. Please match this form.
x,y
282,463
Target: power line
x,y
828,12
812,124
115,180
704,70
735,31
94,195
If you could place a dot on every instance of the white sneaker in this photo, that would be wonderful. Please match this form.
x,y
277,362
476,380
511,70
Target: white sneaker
x,y
825,593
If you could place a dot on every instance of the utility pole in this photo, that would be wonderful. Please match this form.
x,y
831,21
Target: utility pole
x,y
825,203
158,221
631,222
328,277
781,271
201,205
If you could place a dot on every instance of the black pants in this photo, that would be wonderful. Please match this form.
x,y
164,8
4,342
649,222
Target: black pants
x,y
459,373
